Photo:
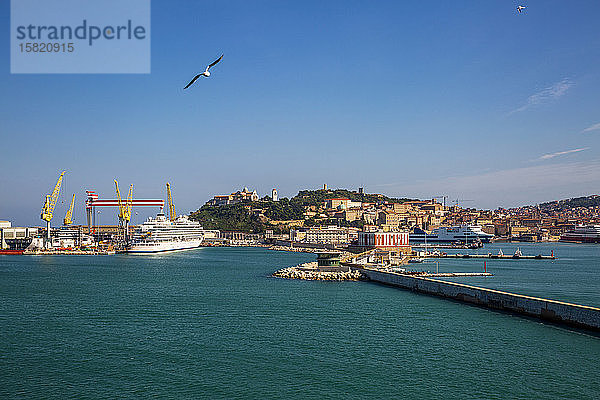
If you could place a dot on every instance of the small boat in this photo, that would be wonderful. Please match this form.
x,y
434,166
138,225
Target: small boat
x,y
476,245
517,253
415,260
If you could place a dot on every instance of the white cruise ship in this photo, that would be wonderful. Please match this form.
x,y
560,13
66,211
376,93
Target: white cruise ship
x,y
158,235
461,233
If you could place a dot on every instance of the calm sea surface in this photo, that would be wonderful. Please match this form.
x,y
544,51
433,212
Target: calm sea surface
x,y
210,323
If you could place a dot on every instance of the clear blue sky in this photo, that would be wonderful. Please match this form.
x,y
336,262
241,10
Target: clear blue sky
x,y
417,99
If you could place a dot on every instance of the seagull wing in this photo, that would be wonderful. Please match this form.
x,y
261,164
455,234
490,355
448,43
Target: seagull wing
x,y
192,81
215,62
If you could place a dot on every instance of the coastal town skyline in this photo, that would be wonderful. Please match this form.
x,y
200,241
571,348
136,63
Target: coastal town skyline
x,y
491,105
253,196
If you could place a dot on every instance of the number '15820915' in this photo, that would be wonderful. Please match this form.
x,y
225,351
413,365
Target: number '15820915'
x,y
35,47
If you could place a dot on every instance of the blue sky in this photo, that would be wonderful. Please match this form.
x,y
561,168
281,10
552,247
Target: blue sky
x,y
466,99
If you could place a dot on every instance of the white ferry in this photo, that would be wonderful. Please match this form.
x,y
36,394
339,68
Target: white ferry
x,y
583,233
461,233
158,235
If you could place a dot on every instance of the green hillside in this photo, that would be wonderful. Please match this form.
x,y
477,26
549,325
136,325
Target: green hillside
x,y
586,201
237,217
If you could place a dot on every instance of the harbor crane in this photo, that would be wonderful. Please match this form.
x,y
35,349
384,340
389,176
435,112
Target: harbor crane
x,y
68,218
124,210
458,201
443,197
172,214
48,208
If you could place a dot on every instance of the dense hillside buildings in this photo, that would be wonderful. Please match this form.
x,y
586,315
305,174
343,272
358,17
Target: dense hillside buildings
x,y
234,198
334,216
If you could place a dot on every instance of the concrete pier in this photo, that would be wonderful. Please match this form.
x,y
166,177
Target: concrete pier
x,y
549,310
454,274
494,256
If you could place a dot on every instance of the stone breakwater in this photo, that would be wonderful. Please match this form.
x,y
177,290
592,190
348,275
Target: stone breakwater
x,y
309,273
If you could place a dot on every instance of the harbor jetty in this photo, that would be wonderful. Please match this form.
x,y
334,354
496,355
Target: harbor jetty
x,y
493,256
330,267
310,272
569,314
455,274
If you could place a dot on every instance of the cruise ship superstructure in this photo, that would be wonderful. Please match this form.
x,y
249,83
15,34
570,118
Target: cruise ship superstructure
x,y
159,234
460,233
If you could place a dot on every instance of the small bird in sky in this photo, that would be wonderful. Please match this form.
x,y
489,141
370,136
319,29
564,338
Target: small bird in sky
x,y
205,73
520,9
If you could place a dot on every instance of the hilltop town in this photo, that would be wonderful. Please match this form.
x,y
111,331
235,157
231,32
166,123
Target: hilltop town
x,y
335,216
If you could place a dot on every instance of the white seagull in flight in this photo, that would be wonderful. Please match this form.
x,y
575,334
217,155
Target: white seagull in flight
x,y
205,73
520,9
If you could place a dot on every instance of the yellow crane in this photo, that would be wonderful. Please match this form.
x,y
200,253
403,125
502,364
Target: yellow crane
x,y
48,208
124,209
129,203
68,218
121,213
172,214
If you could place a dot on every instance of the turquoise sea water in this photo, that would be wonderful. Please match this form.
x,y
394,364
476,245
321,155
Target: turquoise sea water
x,y
210,323
574,276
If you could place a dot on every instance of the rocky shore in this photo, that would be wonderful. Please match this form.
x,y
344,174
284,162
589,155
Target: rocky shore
x,y
292,249
343,254
309,272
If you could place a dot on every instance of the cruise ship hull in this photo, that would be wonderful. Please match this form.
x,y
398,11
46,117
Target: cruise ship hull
x,y
161,235
580,239
582,234
8,251
163,247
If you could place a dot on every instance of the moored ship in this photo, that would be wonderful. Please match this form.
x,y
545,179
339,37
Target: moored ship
x,y
455,234
14,240
159,234
582,233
